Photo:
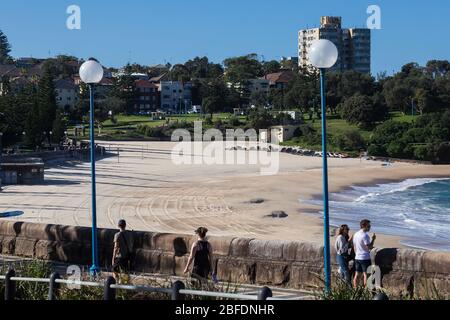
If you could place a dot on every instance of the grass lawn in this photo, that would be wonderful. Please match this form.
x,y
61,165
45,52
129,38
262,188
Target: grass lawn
x,y
337,126
125,127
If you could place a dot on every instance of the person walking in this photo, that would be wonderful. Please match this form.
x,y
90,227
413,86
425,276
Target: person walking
x,y
362,244
123,250
202,256
342,245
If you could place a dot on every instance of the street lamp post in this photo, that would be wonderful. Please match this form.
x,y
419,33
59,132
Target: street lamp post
x,y
1,154
323,55
91,72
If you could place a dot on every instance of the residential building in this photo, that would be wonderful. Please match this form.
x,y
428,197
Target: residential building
x,y
140,76
279,80
158,69
147,97
251,86
279,134
103,88
353,44
8,74
66,94
27,62
158,79
258,85
176,96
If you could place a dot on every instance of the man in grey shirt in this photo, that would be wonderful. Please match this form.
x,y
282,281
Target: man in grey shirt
x,y
123,249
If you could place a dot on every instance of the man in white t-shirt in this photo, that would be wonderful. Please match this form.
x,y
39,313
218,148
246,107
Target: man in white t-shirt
x,y
362,244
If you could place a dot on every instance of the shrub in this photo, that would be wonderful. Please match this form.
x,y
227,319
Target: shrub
x,y
208,120
218,124
422,152
350,140
396,149
377,150
441,153
234,121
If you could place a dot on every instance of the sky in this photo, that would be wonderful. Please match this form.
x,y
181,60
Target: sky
x,y
151,32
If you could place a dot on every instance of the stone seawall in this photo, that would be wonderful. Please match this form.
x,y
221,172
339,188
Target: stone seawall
x,y
278,263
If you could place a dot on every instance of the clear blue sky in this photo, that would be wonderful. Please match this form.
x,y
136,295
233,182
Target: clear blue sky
x,y
150,31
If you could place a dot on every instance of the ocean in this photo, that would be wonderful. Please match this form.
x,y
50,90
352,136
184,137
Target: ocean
x,y
416,209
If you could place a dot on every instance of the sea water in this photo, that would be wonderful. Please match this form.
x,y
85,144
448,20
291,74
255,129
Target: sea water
x,y
418,210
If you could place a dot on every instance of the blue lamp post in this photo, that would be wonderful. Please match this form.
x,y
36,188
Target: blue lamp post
x,y
323,55
91,72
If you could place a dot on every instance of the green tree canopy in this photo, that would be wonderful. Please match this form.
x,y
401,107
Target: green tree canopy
x,y
363,110
5,49
240,69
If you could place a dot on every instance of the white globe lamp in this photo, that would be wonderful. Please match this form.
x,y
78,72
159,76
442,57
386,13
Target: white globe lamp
x,y
91,72
323,54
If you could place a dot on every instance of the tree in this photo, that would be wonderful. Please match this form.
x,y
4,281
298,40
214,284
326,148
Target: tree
x,y
59,127
425,101
212,105
271,67
215,96
276,98
438,68
109,107
15,109
426,87
240,69
259,99
363,110
46,97
303,93
179,72
260,118
5,49
350,140
289,65
34,128
124,89
201,68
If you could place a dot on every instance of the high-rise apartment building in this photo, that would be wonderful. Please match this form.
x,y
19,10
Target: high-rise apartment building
x,y
353,44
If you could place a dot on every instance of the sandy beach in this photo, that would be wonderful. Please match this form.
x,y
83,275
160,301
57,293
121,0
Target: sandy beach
x,y
152,193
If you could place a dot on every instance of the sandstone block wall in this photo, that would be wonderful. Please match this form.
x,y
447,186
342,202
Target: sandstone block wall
x,y
282,263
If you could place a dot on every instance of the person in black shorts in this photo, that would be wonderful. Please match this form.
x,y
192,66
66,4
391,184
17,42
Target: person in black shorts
x,y
362,244
201,255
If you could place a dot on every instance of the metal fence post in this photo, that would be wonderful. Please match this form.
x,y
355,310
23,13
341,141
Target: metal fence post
x,y
108,292
10,286
264,293
176,287
53,286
